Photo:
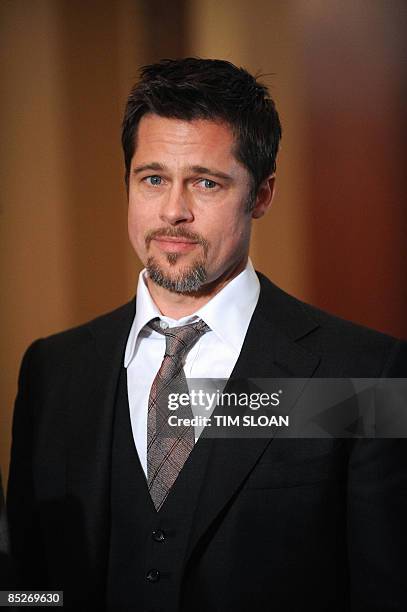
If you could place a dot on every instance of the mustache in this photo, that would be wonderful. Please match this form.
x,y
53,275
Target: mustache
x,y
176,232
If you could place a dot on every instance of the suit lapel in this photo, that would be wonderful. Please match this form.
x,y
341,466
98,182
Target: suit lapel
x,y
270,350
89,448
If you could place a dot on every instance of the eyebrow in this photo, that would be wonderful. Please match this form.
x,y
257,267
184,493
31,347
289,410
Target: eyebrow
x,y
152,166
157,167
204,170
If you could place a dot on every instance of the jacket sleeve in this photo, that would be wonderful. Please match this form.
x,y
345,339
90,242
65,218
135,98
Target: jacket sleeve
x,y
6,570
377,511
24,527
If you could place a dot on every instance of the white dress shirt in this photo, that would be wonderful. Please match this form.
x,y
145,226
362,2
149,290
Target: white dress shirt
x,y
228,315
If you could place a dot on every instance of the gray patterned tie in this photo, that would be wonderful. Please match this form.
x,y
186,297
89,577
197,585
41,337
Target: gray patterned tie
x,y
169,447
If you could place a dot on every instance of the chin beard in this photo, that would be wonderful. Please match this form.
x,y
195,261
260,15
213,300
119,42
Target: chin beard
x,y
189,280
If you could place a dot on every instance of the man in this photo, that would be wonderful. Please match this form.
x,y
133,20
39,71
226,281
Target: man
x,y
118,516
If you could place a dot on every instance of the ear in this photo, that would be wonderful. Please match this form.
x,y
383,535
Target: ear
x,y
264,197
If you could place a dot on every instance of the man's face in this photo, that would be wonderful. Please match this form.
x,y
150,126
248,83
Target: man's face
x,y
188,219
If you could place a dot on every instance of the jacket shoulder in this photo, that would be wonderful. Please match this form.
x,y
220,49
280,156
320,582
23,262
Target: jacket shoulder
x,y
76,337
345,346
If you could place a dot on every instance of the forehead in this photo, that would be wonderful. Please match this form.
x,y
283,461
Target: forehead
x,y
179,138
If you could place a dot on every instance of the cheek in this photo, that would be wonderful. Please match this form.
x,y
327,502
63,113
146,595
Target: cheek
x,y
136,228
141,214
131,222
233,238
136,216
234,230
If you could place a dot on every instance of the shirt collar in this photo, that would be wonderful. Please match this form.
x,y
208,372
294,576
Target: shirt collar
x,y
228,313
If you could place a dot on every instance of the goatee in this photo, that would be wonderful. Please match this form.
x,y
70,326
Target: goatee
x,y
189,280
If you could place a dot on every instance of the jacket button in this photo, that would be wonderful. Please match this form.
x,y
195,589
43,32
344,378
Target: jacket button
x,y
158,535
153,575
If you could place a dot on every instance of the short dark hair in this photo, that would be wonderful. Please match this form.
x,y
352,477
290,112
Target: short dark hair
x,y
193,88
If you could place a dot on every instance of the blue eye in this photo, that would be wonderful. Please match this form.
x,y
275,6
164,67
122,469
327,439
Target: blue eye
x,y
209,184
154,180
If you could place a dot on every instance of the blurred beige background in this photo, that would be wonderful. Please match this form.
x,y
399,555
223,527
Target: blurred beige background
x,y
336,236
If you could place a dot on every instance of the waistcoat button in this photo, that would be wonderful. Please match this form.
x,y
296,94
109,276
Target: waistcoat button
x,y
158,535
153,575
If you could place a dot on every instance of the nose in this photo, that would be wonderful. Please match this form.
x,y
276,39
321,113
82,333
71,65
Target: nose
x,y
176,207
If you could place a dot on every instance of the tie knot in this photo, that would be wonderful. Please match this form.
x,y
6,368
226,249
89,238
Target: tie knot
x,y
179,340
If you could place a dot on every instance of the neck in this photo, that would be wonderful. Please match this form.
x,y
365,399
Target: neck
x,y
177,305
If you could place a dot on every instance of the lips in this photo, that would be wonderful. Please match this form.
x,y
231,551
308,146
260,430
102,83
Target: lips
x,y
174,245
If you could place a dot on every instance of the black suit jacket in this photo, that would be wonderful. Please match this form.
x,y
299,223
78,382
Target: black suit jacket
x,y
6,573
282,524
